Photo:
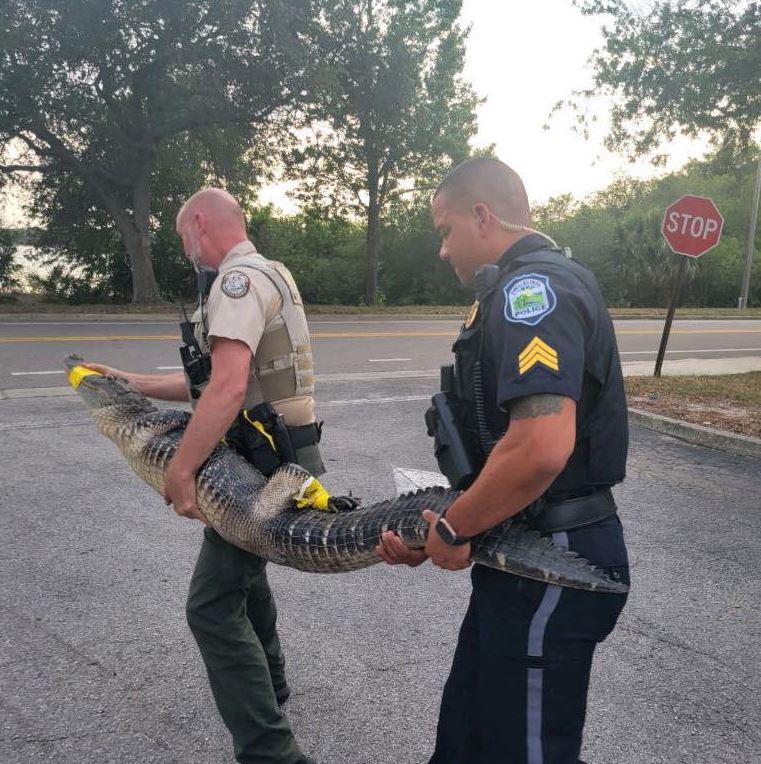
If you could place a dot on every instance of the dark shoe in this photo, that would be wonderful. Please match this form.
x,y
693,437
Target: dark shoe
x,y
282,694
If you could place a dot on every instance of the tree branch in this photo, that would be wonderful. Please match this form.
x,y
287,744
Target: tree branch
x,y
59,149
9,168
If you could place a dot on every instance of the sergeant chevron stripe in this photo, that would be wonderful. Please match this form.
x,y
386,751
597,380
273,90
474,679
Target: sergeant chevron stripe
x,y
536,352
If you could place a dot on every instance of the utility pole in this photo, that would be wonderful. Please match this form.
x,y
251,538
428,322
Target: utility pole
x,y
742,301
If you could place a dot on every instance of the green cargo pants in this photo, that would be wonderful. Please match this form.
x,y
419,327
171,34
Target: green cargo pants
x,y
232,615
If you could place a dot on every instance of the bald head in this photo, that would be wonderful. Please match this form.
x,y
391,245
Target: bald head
x,y
488,181
210,223
214,203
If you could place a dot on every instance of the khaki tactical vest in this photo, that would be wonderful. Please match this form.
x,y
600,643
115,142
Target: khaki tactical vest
x,y
282,366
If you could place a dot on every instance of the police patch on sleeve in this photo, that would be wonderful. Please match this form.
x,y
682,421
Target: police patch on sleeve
x,y
235,284
528,299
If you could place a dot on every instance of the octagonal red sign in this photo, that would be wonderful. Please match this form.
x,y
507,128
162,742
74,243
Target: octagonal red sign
x,y
692,225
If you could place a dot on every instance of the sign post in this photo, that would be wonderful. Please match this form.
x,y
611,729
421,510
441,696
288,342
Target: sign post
x,y
692,225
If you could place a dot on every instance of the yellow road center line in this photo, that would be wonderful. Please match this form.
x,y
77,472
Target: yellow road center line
x,y
165,337
329,335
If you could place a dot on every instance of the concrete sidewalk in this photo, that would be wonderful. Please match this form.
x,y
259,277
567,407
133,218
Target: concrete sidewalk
x,y
694,366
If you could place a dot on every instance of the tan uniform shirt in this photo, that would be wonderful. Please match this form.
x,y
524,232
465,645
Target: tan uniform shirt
x,y
241,311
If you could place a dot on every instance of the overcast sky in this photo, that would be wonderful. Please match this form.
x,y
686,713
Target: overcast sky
x,y
524,57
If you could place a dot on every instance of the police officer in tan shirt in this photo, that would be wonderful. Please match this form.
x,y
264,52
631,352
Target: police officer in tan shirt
x,y
250,335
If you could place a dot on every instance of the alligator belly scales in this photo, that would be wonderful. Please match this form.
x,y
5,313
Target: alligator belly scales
x,y
256,513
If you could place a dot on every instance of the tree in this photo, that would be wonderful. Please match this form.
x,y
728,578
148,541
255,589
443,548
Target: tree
x,y
9,268
684,65
81,246
389,109
689,66
616,232
96,92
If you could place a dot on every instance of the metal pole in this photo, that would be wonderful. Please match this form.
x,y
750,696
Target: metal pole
x,y
670,316
743,300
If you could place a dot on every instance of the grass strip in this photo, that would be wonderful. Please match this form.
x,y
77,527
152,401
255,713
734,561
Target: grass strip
x,y
727,401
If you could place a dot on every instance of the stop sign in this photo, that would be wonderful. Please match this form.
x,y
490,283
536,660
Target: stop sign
x,y
692,225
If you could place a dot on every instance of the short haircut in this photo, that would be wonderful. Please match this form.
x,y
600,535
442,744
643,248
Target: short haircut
x,y
214,201
488,181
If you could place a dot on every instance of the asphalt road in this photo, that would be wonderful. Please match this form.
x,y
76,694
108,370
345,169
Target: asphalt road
x,y
31,352
97,664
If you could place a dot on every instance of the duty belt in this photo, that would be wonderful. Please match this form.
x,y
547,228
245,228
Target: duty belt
x,y
567,514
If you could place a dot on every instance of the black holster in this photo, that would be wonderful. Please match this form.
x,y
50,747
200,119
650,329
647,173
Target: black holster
x,y
297,445
455,459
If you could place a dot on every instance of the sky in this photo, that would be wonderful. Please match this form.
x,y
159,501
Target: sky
x,y
523,57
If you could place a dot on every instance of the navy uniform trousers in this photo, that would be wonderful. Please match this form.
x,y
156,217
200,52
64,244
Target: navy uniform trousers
x,y
517,691
232,615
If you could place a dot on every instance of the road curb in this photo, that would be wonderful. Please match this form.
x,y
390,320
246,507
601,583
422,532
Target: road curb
x,y
709,437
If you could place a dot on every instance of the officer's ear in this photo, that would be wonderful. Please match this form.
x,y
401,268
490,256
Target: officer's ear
x,y
199,222
483,215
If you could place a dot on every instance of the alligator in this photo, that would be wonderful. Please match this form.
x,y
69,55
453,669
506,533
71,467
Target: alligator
x,y
258,514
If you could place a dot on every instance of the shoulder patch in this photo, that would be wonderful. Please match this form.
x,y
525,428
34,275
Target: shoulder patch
x,y
235,284
528,299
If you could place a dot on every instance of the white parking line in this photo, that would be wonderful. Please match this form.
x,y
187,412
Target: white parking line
x,y
387,360
372,401
32,373
168,368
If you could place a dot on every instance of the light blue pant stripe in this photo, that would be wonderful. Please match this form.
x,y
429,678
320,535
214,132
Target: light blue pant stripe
x,y
535,649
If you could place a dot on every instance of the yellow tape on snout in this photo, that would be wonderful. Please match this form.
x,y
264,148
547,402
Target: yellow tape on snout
x,y
78,373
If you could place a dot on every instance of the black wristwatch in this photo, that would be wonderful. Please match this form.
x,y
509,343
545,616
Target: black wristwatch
x,y
448,534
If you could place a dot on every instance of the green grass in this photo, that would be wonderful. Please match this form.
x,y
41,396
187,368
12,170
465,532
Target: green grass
x,y
743,389
727,402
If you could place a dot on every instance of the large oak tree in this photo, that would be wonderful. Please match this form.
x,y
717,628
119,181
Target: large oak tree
x,y
96,91
678,65
390,110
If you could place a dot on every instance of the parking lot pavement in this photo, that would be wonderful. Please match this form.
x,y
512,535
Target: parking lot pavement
x,y
99,666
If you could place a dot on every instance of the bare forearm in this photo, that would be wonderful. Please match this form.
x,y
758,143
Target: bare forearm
x,y
165,387
522,465
215,412
508,482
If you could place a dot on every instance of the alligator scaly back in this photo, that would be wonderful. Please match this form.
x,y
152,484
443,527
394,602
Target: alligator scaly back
x,y
257,514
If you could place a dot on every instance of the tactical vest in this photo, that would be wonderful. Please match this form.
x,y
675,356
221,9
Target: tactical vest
x,y
475,385
282,366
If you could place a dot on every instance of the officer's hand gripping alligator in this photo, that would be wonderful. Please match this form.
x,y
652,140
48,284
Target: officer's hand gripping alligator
x,y
257,514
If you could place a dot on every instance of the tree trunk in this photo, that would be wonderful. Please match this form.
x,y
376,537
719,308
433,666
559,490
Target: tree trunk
x,y
373,237
134,228
144,286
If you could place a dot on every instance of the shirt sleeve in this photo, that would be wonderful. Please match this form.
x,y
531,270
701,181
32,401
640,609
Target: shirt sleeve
x,y
241,303
537,327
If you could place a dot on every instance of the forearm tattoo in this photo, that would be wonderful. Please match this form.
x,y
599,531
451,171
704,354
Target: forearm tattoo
x,y
533,406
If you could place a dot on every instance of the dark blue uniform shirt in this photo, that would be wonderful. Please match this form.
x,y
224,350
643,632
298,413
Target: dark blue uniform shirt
x,y
548,331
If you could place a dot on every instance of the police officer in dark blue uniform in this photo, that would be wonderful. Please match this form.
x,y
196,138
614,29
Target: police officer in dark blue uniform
x,y
538,401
